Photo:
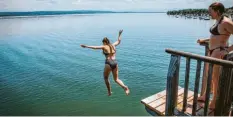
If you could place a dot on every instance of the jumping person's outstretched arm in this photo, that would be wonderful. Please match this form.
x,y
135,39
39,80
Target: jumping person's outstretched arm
x,y
119,39
92,47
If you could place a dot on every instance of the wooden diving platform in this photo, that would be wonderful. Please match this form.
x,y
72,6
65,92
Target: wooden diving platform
x,y
178,101
156,104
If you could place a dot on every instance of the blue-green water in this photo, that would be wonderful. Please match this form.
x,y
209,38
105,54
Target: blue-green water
x,y
44,71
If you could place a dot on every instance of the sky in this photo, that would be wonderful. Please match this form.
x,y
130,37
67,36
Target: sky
x,y
113,5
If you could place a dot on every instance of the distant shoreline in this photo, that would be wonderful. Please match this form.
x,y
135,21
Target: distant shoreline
x,y
41,13
197,13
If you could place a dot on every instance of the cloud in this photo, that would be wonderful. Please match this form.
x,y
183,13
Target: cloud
x,y
76,2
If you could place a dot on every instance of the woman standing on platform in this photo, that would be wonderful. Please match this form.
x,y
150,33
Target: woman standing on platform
x,y
218,44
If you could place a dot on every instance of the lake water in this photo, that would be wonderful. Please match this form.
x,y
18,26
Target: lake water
x,y
44,71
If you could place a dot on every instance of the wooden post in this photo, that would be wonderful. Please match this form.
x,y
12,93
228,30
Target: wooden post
x,y
222,107
198,72
230,58
172,85
186,84
208,89
231,110
225,87
229,89
204,79
224,92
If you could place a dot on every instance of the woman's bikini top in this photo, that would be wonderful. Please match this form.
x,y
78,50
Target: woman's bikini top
x,y
214,28
111,47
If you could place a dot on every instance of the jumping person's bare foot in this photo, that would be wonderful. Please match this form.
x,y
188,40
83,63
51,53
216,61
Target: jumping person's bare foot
x,y
127,91
109,93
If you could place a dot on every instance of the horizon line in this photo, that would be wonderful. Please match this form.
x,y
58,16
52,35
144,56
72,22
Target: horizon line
x,y
41,13
86,11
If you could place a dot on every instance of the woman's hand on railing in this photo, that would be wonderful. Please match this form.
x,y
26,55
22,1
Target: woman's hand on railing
x,y
204,42
200,41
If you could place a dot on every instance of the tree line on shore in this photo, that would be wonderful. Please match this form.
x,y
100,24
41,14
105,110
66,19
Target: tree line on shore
x,y
197,12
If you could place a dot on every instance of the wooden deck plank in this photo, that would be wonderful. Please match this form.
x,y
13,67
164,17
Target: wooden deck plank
x,y
180,105
189,106
179,101
162,100
157,103
200,112
211,113
153,103
155,97
189,97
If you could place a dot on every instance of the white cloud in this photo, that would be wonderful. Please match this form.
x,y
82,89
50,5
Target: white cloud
x,y
76,2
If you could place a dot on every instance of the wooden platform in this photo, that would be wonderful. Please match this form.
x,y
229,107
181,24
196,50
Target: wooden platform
x,y
156,103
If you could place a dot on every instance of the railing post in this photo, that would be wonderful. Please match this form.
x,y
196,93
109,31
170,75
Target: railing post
x,y
230,57
196,88
231,109
172,85
186,84
204,75
208,85
223,99
224,89
224,92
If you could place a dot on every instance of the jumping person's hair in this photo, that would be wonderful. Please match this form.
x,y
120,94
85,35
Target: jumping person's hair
x,y
106,40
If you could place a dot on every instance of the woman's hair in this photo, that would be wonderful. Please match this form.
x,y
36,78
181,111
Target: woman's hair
x,y
106,40
218,7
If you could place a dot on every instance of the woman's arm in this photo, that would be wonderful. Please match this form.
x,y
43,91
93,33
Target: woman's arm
x,y
92,47
203,40
229,28
119,39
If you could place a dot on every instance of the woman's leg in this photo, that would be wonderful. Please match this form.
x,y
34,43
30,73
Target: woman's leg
x,y
205,77
215,78
107,70
202,98
118,81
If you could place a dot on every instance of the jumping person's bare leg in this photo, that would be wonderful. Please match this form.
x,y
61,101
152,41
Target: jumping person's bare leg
x,y
107,71
119,82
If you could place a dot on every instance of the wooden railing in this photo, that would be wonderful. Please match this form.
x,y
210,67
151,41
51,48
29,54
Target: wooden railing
x,y
225,87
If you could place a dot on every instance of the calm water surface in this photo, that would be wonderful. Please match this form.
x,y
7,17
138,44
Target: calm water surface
x,y
44,71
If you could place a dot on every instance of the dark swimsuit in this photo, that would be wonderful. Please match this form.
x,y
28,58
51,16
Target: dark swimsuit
x,y
112,63
214,31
